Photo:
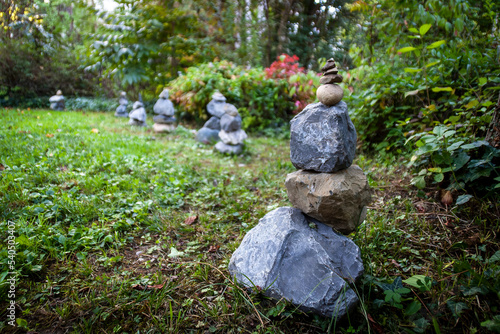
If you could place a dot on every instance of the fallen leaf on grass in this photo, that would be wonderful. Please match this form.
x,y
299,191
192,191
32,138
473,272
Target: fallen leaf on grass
x,y
190,220
213,248
2,167
94,131
49,135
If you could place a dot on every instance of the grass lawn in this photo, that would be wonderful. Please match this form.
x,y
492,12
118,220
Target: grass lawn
x,y
121,230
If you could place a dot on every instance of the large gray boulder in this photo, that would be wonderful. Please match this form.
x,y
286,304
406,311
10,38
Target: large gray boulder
x,y
322,138
305,262
335,199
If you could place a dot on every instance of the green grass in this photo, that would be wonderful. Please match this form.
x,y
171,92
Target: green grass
x,y
120,230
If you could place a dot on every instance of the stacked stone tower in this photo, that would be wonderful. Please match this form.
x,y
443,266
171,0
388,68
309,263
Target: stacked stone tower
x,y
299,253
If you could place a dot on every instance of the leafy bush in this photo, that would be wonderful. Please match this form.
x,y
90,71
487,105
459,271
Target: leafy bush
x,y
424,72
91,104
262,102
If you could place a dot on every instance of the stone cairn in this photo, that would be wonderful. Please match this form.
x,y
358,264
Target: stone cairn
x,y
231,134
295,253
138,114
209,133
165,120
57,101
121,111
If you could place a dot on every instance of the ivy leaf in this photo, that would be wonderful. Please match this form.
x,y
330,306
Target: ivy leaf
x,y
462,199
413,308
425,28
456,308
460,160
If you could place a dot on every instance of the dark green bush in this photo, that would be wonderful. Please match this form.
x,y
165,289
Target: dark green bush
x,y
262,102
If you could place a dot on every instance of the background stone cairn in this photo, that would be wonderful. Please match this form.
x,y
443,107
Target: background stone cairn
x,y
165,120
57,101
231,133
137,116
295,253
121,111
209,133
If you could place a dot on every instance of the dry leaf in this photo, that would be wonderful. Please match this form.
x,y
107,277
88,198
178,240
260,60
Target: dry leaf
x,y
2,167
213,248
447,199
94,131
49,135
190,220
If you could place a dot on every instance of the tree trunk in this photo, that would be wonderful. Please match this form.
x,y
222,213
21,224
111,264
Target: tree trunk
x,y
493,134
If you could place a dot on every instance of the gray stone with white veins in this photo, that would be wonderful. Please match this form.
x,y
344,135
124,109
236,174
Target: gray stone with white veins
x,y
290,256
322,138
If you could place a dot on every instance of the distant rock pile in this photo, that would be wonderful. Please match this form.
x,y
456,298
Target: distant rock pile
x,y
231,133
165,120
57,101
294,253
121,111
137,116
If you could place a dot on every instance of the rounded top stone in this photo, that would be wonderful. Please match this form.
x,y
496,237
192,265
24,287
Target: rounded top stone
x,y
59,92
217,96
164,94
122,94
137,104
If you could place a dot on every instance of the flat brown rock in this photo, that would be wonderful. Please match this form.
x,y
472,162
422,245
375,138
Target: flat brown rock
x,y
336,199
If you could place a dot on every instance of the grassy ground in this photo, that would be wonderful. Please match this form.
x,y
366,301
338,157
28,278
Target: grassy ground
x,y
120,230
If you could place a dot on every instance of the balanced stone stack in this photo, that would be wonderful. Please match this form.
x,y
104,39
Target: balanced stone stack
x,y
137,115
165,120
209,133
57,101
121,111
298,253
231,134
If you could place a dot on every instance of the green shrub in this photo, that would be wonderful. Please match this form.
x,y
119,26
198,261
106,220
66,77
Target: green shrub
x,y
91,104
262,102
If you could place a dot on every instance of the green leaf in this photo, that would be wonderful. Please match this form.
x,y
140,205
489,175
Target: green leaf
x,y
462,199
432,64
454,146
442,89
475,144
493,324
413,308
407,49
436,44
438,177
412,70
22,323
420,282
495,257
419,181
425,28
460,160
456,308
483,81
413,30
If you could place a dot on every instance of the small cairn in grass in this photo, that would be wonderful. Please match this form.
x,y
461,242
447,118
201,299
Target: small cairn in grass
x,y
165,119
231,134
299,253
121,110
57,101
137,116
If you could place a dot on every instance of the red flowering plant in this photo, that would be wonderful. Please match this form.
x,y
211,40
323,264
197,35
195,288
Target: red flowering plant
x,y
301,83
